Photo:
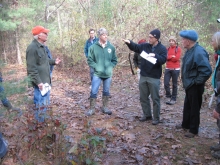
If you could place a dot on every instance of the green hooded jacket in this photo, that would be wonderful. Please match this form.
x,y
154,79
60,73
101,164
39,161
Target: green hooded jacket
x,y
103,60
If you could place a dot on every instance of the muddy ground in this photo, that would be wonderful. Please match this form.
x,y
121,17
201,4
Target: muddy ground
x,y
129,141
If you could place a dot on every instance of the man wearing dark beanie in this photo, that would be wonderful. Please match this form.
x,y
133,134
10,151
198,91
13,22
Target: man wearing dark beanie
x,y
149,83
195,71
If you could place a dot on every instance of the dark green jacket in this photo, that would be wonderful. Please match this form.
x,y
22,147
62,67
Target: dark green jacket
x,y
38,63
103,60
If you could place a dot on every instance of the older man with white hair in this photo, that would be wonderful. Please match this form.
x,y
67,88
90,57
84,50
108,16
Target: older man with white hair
x,y
103,59
38,70
195,71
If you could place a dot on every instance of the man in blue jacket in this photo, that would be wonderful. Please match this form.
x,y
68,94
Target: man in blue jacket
x,y
149,83
92,39
195,71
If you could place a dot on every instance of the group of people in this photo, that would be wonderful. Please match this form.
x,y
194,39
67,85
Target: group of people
x,y
195,71
101,58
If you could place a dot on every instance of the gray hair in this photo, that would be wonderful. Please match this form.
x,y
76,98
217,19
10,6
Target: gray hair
x,y
36,37
102,31
216,39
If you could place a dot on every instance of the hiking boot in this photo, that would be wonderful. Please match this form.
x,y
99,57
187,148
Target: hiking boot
x,y
216,154
171,102
179,126
145,118
190,135
215,147
104,108
155,122
167,100
91,111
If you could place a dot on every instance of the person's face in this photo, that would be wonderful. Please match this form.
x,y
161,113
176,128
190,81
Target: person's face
x,y
42,37
152,40
92,34
214,45
172,42
103,38
185,42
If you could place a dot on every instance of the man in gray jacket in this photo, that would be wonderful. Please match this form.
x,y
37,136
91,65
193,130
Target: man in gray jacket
x,y
195,71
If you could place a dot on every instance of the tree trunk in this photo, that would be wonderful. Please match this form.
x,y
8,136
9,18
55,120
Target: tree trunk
x,y
18,48
59,26
3,47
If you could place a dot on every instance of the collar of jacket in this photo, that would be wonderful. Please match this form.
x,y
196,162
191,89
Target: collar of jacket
x,y
38,43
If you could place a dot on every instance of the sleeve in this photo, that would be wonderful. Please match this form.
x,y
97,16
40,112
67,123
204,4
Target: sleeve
x,y
204,69
91,58
86,49
135,47
178,55
135,59
161,56
114,58
32,66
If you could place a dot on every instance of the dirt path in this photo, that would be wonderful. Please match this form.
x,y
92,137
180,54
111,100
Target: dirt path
x,y
130,142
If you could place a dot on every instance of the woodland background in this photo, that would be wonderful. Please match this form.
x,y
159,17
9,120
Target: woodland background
x,y
68,137
70,20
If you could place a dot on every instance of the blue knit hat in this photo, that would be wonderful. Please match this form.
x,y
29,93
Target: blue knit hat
x,y
189,34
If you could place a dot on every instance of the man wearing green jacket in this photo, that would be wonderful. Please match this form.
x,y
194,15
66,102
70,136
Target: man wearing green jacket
x,y
103,59
38,69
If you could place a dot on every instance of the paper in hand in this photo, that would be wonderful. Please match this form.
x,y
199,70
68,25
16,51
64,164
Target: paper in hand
x,y
148,57
46,88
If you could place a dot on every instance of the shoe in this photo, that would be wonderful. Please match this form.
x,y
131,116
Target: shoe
x,y
216,154
90,112
155,122
167,101
145,118
171,102
106,111
190,135
215,147
179,126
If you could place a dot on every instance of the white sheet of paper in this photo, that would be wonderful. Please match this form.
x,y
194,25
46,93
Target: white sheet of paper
x,y
46,88
148,58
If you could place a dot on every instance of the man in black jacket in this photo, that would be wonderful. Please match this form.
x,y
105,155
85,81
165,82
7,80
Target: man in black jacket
x,y
149,83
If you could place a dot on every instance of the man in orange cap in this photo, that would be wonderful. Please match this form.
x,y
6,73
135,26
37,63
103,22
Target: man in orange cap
x,y
38,70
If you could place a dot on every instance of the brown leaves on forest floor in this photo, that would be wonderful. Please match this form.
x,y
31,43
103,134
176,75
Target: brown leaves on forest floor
x,y
128,141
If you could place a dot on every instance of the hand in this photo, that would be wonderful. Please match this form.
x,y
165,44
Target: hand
x,y
151,54
57,61
173,56
40,86
126,41
215,114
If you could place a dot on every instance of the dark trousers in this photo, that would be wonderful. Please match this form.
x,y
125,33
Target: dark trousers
x,y
150,86
191,109
174,74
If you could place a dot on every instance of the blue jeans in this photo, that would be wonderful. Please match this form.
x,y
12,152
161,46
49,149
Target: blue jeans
x,y
96,81
41,103
91,73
